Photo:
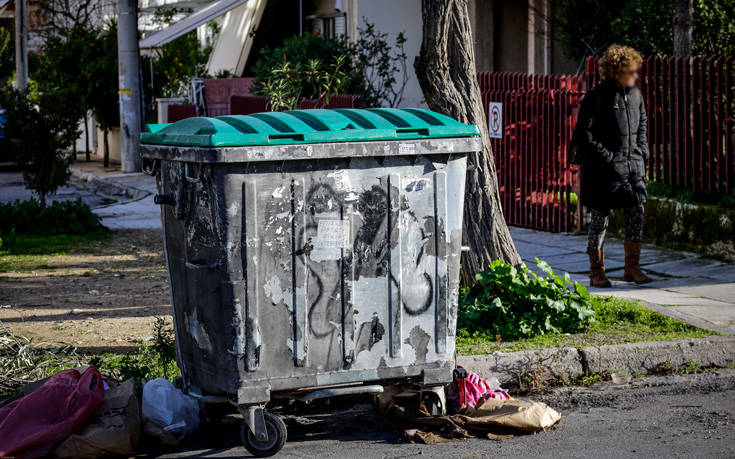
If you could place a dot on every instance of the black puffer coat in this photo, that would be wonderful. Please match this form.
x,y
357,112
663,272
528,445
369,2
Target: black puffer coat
x,y
611,139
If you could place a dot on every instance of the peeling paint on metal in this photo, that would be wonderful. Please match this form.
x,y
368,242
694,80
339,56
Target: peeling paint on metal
x,y
272,289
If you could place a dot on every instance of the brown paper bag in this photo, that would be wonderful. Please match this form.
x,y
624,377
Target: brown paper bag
x,y
523,415
113,430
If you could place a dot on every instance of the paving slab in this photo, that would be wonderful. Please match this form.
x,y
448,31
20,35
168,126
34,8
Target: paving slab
x,y
717,313
542,251
721,292
688,267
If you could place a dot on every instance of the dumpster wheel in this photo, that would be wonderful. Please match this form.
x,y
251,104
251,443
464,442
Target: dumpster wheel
x,y
276,429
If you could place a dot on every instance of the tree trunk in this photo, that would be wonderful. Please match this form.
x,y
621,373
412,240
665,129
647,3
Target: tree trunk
x,y
106,160
683,24
86,136
445,68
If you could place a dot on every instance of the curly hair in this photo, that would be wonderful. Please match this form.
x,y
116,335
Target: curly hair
x,y
616,59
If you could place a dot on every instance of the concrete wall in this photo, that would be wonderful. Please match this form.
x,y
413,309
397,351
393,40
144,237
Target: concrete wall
x,y
114,141
508,35
393,17
511,36
482,18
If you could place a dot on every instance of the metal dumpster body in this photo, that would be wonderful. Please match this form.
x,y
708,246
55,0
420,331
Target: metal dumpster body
x,y
305,265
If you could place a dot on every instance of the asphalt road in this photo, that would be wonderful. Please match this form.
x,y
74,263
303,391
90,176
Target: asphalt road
x,y
662,416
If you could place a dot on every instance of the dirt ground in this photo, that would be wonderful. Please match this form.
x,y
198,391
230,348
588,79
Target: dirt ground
x,y
100,297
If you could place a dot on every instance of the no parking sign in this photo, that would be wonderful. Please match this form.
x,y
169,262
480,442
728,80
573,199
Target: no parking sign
x,y
495,120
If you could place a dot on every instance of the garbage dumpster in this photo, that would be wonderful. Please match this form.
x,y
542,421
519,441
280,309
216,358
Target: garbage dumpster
x,y
313,251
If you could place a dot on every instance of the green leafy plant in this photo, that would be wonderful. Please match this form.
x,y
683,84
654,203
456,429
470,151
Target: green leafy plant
x,y
298,51
7,55
60,217
315,67
41,133
643,24
288,83
514,302
156,359
379,64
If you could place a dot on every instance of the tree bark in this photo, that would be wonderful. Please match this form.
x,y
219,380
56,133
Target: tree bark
x,y
446,71
683,25
86,135
106,158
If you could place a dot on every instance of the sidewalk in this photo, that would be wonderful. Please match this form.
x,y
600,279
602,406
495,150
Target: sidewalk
x,y
697,290
133,193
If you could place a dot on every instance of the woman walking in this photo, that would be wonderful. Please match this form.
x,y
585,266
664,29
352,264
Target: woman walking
x,y
612,145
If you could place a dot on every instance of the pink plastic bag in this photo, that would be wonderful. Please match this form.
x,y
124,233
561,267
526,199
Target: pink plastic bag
x,y
470,389
34,425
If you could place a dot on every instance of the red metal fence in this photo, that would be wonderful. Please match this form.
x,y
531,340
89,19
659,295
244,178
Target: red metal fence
x,y
691,133
537,187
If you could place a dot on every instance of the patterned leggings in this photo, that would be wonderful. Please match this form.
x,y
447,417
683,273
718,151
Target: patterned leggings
x,y
598,226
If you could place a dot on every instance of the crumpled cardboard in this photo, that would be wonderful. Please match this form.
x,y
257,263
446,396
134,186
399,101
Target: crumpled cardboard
x,y
492,418
113,430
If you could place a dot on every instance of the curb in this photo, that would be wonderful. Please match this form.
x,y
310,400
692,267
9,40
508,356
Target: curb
x,y
99,185
512,368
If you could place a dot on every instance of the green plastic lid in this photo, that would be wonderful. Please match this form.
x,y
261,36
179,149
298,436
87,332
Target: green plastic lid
x,y
308,126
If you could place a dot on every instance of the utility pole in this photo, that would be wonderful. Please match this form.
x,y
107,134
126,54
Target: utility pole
x,y
21,44
129,90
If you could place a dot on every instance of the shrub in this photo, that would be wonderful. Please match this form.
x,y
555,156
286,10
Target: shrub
x,y
41,133
379,63
299,50
514,303
288,83
60,217
368,68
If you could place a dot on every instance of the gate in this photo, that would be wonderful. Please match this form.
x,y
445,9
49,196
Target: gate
x,y
537,187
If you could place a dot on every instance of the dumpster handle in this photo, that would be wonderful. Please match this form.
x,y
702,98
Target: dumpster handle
x,y
419,131
153,167
200,265
188,177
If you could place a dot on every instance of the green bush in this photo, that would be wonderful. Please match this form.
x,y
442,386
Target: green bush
x,y
40,133
371,67
60,217
514,303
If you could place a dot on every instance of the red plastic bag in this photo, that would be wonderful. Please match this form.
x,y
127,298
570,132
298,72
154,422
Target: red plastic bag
x,y
34,425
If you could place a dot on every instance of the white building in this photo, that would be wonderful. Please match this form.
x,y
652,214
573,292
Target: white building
x,y
509,35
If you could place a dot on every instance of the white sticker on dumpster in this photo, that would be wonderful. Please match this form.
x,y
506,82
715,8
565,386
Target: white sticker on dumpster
x,y
406,148
332,234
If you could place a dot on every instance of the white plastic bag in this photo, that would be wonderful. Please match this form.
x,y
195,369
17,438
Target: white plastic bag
x,y
169,408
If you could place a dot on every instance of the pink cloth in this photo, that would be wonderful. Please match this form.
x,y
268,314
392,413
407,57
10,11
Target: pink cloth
x,y
470,390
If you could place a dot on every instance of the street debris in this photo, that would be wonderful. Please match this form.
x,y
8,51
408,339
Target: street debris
x,y
33,425
113,429
170,409
477,409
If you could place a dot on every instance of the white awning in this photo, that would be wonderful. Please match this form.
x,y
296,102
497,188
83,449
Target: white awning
x,y
189,23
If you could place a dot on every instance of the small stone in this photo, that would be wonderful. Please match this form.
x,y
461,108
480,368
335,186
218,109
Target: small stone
x,y
94,292
76,311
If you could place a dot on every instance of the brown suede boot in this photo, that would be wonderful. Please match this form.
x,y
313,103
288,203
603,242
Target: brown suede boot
x,y
633,271
597,268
